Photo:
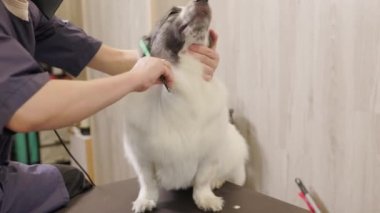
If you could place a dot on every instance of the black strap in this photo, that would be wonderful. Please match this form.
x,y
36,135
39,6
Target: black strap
x,y
75,181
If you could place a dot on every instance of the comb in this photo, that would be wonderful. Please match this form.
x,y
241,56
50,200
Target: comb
x,y
146,53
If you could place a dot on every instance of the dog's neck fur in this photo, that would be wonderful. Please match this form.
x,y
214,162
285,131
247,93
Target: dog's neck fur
x,y
190,88
188,70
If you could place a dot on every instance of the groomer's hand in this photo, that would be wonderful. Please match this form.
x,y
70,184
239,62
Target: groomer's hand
x,y
148,70
207,55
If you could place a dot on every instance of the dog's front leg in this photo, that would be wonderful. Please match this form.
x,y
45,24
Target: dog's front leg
x,y
203,195
149,191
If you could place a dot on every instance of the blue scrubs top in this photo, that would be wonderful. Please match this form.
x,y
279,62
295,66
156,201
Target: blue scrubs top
x,y
38,188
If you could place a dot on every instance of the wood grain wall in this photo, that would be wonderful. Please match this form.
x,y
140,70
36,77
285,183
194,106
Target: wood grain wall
x,y
304,81
71,10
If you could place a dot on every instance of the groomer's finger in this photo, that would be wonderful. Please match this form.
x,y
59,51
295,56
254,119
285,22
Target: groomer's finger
x,y
203,50
214,39
207,60
166,63
168,75
208,73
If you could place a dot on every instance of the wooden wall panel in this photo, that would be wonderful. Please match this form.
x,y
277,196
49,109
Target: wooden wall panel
x,y
303,78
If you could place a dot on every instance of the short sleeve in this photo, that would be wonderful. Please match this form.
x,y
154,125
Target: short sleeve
x,y
63,45
20,78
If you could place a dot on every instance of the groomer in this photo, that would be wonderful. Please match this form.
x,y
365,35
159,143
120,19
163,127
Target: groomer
x,y
29,101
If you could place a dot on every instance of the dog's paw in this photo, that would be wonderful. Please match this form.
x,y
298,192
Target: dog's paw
x,y
217,184
143,205
209,203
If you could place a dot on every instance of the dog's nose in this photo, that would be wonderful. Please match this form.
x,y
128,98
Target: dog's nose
x,y
201,1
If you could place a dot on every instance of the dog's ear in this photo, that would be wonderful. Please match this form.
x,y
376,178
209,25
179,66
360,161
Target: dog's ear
x,y
148,42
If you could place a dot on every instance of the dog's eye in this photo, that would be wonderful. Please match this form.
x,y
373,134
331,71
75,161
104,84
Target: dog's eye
x,y
174,10
173,13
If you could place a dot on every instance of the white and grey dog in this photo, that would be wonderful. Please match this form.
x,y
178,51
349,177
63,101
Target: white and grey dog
x,y
183,138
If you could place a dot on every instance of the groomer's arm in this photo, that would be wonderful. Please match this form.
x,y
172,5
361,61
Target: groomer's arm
x,y
61,103
114,61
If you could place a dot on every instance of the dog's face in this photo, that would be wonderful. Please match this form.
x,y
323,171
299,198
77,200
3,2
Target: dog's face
x,y
181,27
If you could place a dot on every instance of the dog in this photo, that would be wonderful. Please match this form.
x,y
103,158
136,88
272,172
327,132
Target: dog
x,y
183,138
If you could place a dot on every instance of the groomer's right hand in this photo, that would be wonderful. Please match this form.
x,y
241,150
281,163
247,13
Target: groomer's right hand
x,y
147,72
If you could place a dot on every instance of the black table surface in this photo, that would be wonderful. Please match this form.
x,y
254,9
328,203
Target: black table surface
x,y
118,197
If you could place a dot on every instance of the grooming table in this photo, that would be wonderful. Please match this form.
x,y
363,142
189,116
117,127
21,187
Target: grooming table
x,y
118,198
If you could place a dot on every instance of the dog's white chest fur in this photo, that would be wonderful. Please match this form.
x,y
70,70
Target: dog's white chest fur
x,y
171,129
181,138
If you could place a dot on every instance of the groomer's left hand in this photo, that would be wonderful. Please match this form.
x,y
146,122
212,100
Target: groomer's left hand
x,y
207,55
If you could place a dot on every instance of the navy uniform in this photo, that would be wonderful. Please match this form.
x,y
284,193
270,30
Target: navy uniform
x,y
24,43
